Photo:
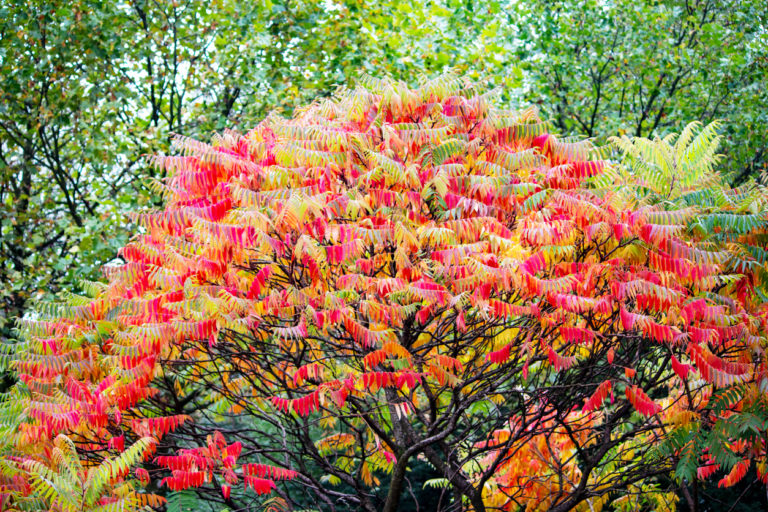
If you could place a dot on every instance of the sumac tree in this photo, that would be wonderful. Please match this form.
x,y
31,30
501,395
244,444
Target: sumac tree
x,y
399,275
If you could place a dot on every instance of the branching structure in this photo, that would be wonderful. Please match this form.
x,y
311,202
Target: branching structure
x,y
399,275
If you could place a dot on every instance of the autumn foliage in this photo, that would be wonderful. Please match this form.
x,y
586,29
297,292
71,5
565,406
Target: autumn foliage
x,y
404,276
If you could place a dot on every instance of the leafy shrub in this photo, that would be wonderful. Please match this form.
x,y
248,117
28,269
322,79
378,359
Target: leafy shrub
x,y
399,275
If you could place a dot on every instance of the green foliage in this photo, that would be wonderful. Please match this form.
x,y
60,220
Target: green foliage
x,y
673,165
68,485
437,483
83,81
182,501
603,64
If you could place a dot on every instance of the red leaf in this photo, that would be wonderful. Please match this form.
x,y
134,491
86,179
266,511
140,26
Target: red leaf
x,y
704,472
598,397
143,475
738,472
260,485
680,369
560,362
267,471
642,402
500,356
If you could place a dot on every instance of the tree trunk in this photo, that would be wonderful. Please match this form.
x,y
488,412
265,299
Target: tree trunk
x,y
396,485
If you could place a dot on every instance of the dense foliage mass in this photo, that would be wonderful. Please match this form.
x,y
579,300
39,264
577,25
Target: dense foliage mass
x,y
402,276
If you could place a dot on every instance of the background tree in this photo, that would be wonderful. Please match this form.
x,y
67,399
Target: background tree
x,y
61,186
650,67
83,80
